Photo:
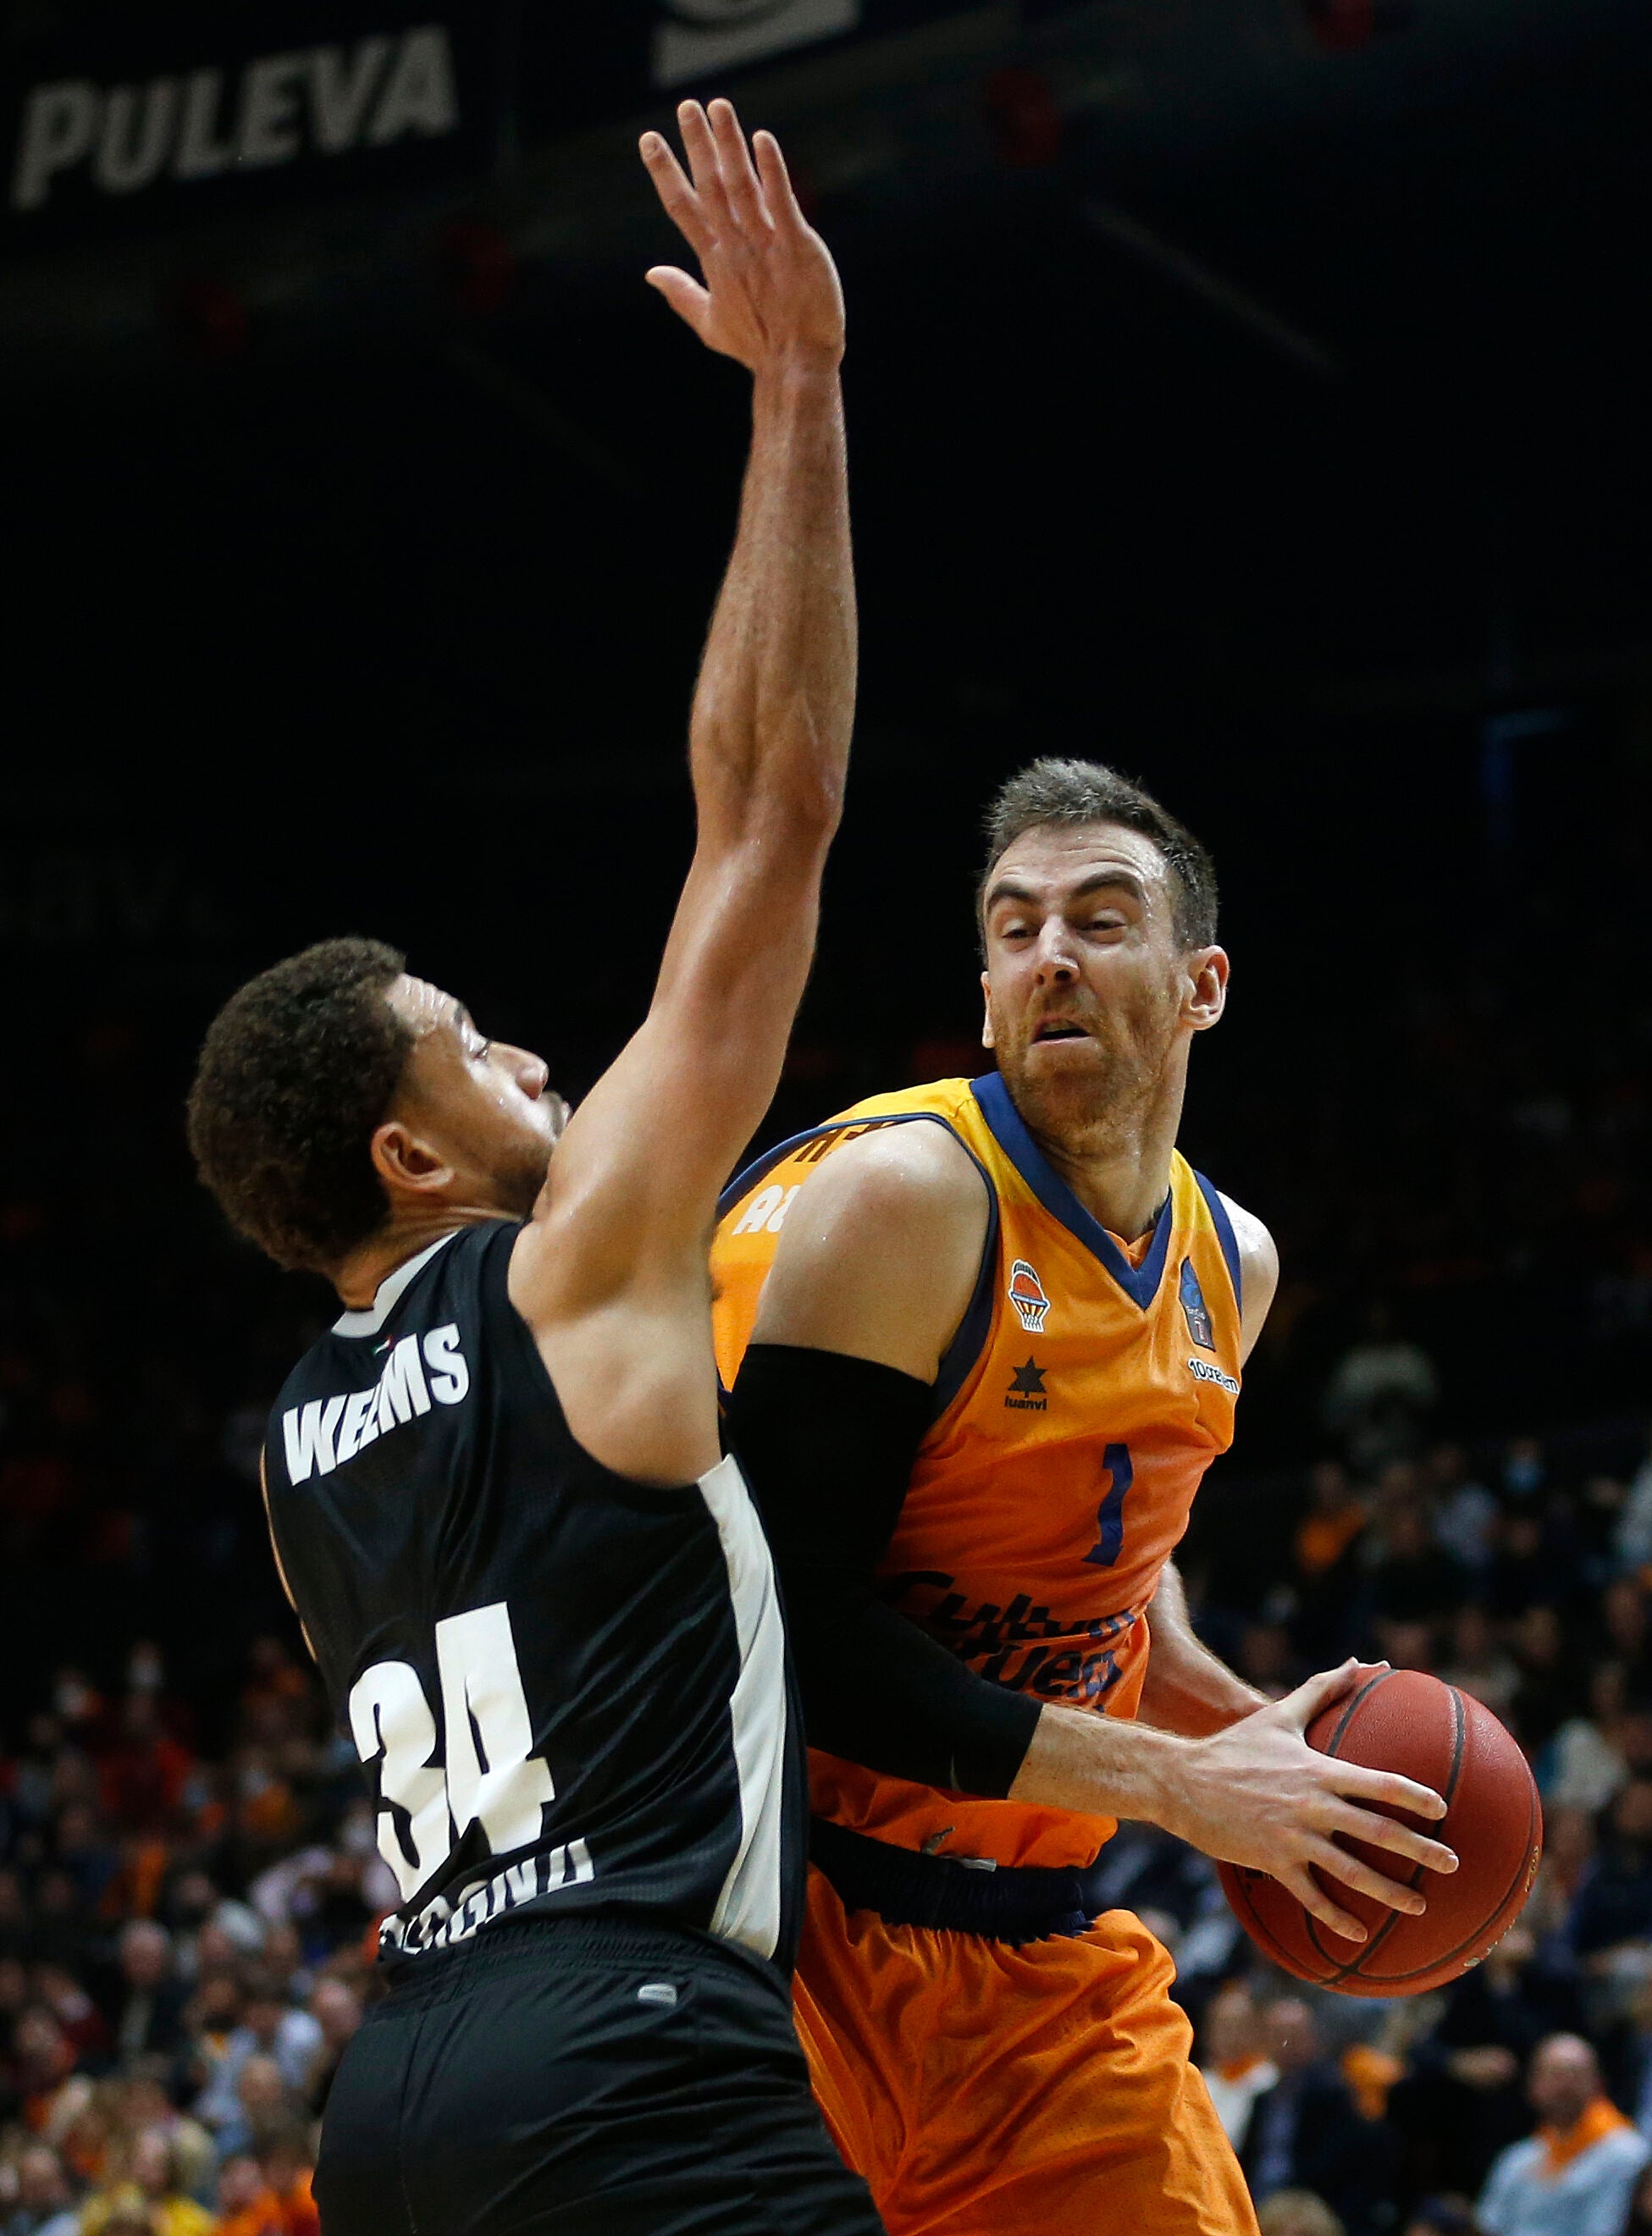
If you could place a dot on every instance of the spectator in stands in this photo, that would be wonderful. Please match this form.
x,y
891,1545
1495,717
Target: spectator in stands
x,y
1237,2069
1306,2132
1575,2176
1415,1581
336,2007
1380,1395
1298,2212
270,2029
1476,1663
1466,1513
145,2013
1462,2101
248,2205
1612,1914
1583,1765
43,2205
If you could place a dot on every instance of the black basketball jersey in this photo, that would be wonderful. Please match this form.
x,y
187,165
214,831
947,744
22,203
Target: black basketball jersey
x,y
568,1690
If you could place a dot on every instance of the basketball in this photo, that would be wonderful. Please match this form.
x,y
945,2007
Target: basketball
x,y
1405,1720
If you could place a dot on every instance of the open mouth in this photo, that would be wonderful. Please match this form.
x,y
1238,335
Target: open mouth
x,y
1057,1030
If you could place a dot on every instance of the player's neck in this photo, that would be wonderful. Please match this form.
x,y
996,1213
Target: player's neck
x,y
1118,1164
360,1276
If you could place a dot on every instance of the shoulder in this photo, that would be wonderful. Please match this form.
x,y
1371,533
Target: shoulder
x,y
879,1252
1259,1266
918,1171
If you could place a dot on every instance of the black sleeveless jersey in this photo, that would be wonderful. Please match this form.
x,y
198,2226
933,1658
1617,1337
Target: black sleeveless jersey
x,y
568,1690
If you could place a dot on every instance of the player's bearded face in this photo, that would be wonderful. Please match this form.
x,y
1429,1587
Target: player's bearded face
x,y
483,1107
1086,981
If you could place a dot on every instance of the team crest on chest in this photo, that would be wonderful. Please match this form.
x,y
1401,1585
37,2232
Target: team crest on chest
x,y
1195,1309
1027,1295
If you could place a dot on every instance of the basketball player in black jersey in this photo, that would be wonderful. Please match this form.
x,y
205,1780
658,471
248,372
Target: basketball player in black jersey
x,y
540,1600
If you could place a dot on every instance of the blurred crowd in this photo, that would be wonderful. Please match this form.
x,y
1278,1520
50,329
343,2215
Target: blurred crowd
x,y
186,1947
1518,2101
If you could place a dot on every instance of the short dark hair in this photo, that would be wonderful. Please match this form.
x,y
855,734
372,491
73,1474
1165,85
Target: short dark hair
x,y
1053,791
296,1071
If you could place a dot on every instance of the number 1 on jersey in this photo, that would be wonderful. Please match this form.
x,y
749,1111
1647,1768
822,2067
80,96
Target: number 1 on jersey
x,y
1109,1519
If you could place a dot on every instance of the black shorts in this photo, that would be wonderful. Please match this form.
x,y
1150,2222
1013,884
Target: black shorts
x,y
581,2077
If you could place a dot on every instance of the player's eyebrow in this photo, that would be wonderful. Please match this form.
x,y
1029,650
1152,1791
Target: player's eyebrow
x,y
1099,880
1005,889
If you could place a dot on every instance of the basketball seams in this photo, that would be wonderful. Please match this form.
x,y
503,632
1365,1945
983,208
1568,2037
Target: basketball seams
x,y
1292,1937
1459,1731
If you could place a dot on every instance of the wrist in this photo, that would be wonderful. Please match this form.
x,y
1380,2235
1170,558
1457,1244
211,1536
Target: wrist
x,y
1169,1767
797,366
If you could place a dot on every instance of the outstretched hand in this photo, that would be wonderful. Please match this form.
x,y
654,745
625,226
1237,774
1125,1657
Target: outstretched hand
x,y
771,289
1258,1794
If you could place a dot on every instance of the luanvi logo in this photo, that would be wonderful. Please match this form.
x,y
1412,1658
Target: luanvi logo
x,y
267,112
694,36
1026,1392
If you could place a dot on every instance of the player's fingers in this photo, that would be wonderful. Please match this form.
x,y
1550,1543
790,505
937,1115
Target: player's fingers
x,y
1302,1705
1301,1882
735,161
1399,1839
686,296
1341,1864
778,190
707,172
1387,1789
678,198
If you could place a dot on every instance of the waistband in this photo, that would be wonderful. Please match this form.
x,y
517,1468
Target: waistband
x,y
1008,1902
605,1937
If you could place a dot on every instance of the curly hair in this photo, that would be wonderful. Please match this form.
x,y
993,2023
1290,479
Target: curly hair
x,y
1053,791
296,1071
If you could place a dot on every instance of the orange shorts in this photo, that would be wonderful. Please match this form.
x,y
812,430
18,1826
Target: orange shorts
x,y
986,2090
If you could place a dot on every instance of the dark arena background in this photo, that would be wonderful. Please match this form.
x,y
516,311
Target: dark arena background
x,y
1247,393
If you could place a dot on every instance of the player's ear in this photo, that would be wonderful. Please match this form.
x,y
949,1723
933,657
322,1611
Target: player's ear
x,y
987,1041
1207,995
405,1162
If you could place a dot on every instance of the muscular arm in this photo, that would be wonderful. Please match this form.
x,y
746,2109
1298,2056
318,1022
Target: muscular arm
x,y
610,1274
1188,1688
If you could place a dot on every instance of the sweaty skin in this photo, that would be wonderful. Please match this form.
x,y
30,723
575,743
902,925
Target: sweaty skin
x,y
1092,1003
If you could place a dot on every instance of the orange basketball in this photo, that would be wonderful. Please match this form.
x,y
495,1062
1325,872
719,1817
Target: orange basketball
x,y
1405,1721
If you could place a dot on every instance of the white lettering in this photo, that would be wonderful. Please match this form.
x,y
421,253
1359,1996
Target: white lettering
x,y
419,94
358,1408
391,1722
778,1219
200,154
269,119
493,1774
308,1437
401,1386
761,1209
135,140
340,90
450,1375
59,125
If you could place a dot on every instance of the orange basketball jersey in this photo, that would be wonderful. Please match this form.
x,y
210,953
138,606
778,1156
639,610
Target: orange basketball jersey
x,y
1078,1406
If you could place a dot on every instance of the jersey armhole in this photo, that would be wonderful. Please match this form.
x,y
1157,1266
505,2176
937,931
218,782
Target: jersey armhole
x,y
1225,1236
969,1338
958,1360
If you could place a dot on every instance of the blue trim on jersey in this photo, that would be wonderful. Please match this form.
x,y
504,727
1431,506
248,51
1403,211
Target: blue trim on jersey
x,y
1139,1283
969,1340
1225,1236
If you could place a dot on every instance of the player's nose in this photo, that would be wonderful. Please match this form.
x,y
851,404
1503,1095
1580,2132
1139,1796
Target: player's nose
x,y
533,1073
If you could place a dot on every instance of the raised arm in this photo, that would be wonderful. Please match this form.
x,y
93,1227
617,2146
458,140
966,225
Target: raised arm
x,y
621,1227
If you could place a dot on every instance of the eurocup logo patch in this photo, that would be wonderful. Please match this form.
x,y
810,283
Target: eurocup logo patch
x,y
1027,1295
1196,1309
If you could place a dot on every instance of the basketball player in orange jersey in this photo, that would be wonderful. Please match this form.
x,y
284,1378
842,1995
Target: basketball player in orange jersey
x,y
983,1340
